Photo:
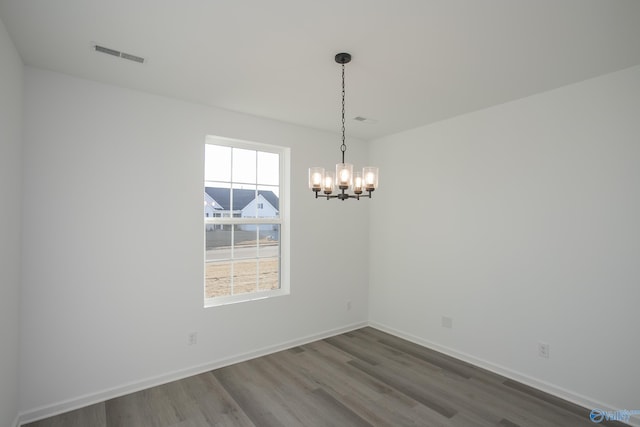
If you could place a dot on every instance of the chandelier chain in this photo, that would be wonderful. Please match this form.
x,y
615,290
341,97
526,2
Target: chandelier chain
x,y
343,147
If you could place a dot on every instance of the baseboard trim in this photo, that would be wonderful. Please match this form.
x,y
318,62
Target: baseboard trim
x,y
544,386
132,387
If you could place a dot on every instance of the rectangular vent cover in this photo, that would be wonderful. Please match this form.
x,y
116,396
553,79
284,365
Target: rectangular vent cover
x,y
119,54
365,120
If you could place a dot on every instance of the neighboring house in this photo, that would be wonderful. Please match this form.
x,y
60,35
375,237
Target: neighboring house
x,y
261,206
246,204
210,206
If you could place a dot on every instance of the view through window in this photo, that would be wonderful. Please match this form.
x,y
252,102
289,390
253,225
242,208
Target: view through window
x,y
243,220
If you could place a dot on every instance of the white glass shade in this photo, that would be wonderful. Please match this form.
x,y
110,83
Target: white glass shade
x,y
328,183
370,175
344,175
316,178
358,182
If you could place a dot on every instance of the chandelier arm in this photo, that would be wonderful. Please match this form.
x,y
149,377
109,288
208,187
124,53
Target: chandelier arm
x,y
343,196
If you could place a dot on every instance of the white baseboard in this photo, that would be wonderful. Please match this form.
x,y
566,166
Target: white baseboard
x,y
544,386
132,387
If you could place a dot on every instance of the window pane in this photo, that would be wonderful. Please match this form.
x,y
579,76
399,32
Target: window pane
x,y
218,242
244,166
245,274
268,196
268,273
269,244
217,163
268,168
217,279
244,200
245,244
216,199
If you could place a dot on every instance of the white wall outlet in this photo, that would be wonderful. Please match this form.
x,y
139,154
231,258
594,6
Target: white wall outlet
x,y
447,322
192,338
348,305
543,350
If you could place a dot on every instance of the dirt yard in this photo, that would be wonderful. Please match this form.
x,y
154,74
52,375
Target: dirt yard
x,y
246,244
218,276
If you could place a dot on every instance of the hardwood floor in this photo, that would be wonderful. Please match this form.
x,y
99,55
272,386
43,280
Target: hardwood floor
x,y
361,378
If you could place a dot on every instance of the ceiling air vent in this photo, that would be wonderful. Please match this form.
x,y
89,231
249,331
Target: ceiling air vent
x,y
365,120
119,54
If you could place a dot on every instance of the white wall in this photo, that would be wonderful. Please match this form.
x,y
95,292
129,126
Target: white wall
x,y
10,208
520,222
113,273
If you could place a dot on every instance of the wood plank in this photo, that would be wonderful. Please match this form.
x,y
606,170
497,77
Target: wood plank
x,y
93,415
343,415
261,409
506,423
406,386
354,350
371,399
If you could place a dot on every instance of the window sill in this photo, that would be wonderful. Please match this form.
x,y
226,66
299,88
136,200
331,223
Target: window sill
x,y
234,299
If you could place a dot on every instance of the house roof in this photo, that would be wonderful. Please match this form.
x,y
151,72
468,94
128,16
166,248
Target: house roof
x,y
241,198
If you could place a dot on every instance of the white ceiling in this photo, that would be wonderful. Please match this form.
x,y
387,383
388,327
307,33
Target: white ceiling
x,y
414,61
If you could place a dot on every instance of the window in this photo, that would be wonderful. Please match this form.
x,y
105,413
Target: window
x,y
245,222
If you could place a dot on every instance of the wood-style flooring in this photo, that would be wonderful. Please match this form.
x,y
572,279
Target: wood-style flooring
x,y
361,378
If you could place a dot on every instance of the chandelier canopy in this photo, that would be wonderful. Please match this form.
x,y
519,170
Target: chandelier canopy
x,y
345,178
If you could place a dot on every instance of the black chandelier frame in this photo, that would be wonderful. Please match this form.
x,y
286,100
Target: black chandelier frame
x,y
342,59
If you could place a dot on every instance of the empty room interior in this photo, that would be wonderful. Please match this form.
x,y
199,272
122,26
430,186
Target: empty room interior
x,y
500,248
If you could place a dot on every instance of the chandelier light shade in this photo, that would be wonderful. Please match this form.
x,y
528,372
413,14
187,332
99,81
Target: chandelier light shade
x,y
327,187
344,175
370,178
345,178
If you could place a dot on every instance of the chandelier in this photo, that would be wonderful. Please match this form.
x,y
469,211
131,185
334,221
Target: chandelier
x,y
345,178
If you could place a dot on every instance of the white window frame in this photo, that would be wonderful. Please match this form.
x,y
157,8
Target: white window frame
x,y
282,220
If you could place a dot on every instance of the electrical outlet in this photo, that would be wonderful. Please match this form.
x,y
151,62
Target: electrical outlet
x,y
447,322
192,338
348,305
543,350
